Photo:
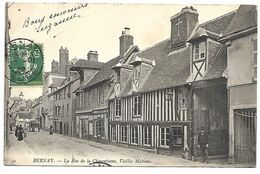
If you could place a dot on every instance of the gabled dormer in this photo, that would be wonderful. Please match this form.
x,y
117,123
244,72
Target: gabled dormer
x,y
142,68
122,73
204,47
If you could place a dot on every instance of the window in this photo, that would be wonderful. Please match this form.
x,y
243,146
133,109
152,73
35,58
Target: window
x,y
165,137
68,110
199,50
182,103
62,110
254,59
134,135
123,134
100,129
117,76
177,135
137,106
137,71
147,135
118,107
114,133
85,126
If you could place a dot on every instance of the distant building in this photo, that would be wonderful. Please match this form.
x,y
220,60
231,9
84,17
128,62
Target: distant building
x,y
241,72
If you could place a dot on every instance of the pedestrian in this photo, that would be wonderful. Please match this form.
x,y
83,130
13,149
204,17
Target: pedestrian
x,y
16,130
203,144
20,133
11,127
51,130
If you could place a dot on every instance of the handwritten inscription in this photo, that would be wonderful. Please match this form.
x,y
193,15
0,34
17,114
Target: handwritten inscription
x,y
47,22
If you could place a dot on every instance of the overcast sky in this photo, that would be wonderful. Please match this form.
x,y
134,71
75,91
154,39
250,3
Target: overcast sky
x,y
98,28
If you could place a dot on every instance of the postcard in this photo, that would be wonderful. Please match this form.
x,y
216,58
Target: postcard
x,y
90,84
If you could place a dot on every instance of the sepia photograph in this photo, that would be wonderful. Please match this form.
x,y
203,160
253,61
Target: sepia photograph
x,y
130,85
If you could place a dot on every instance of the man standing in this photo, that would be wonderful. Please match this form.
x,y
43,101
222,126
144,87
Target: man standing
x,y
203,144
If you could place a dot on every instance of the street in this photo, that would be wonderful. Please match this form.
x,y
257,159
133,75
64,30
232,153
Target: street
x,y
40,148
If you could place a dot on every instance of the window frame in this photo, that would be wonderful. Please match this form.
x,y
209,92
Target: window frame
x,y
200,52
118,107
123,134
147,135
134,135
114,138
164,137
137,106
177,135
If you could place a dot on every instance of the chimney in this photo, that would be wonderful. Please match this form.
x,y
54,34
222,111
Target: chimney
x,y
93,56
126,40
64,59
54,66
182,24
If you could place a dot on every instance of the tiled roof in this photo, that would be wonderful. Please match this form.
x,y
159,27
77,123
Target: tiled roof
x,y
82,63
246,17
219,24
104,73
219,65
173,69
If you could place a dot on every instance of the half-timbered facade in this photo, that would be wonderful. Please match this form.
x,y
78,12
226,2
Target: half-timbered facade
x,y
157,107
92,106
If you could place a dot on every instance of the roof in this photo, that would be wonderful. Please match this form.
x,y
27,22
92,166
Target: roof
x,y
214,28
82,63
246,17
218,25
219,65
173,69
104,73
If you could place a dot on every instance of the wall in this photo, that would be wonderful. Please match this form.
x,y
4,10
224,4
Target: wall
x,y
240,61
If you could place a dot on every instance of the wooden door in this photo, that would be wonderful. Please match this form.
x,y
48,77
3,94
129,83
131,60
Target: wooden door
x,y
245,135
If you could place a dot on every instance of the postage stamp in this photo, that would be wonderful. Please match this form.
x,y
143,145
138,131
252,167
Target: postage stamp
x,y
25,62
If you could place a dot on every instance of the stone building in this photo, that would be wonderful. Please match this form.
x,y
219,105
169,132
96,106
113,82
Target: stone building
x,y
164,94
241,41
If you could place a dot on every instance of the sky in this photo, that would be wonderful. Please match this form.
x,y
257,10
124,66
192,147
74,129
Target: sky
x,y
95,27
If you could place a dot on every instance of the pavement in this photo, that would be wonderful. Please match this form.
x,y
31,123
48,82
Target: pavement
x,y
40,149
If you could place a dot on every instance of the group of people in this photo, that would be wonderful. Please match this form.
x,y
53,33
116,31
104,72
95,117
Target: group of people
x,y
19,133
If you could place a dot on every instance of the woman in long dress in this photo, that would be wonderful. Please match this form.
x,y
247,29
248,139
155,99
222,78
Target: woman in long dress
x,y
20,133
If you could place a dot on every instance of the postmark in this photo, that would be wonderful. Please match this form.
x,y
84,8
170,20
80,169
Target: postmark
x,y
25,62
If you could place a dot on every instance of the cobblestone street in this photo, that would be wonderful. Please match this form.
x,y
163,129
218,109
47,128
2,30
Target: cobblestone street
x,y
40,148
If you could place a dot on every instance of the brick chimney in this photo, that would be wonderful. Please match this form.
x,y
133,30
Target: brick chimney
x,y
93,56
126,40
54,66
182,24
64,59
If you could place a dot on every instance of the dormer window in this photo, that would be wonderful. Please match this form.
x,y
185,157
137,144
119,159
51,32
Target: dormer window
x,y
137,71
199,50
117,76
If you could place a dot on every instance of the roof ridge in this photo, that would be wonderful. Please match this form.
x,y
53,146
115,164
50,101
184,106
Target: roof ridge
x,y
219,17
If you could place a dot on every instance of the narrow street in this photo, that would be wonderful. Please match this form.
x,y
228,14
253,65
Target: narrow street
x,y
40,148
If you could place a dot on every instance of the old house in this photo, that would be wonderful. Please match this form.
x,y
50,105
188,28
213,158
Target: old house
x,y
51,81
164,94
92,106
241,41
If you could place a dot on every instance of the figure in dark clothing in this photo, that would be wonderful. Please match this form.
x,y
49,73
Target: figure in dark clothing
x,y
51,130
203,145
16,130
11,127
20,133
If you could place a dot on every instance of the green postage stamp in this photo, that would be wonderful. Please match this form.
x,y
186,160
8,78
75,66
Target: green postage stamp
x,y
25,62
